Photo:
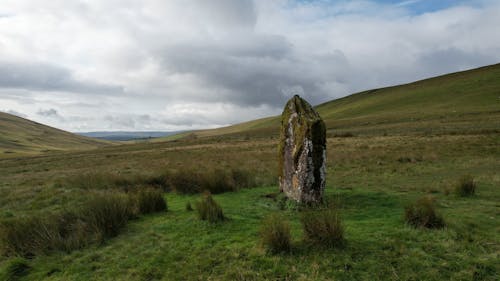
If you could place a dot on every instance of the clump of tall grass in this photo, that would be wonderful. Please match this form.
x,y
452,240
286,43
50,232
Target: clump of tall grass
x,y
275,234
214,181
29,236
183,181
466,186
107,214
242,178
422,213
157,181
323,227
15,269
103,216
150,200
208,209
106,181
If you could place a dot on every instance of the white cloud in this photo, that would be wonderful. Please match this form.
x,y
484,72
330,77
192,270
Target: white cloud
x,y
13,112
408,2
136,65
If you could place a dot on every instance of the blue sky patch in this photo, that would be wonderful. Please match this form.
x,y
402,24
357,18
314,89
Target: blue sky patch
x,y
412,6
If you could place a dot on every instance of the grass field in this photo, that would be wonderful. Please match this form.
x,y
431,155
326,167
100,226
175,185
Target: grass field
x,y
372,174
371,178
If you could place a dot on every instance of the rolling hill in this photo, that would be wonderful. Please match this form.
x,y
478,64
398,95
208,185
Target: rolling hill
x,y
463,102
19,136
443,104
127,135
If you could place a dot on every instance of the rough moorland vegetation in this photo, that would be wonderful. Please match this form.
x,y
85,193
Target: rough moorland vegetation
x,y
101,217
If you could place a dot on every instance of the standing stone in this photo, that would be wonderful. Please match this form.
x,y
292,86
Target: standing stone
x,y
302,152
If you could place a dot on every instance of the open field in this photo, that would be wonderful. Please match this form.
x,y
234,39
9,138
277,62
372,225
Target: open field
x,y
383,153
370,178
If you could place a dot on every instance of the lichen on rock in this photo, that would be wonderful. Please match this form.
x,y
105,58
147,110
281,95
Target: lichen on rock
x,y
302,152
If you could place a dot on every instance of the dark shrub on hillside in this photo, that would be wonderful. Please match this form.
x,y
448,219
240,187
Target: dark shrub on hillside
x,y
103,216
323,227
423,213
106,181
92,181
466,186
215,181
218,181
34,235
275,234
209,210
189,208
22,236
150,200
15,269
106,214
29,236
185,182
243,178
158,181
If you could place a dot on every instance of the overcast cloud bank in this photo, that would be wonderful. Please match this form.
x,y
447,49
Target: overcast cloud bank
x,y
176,65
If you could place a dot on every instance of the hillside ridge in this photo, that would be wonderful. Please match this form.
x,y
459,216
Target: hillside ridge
x,y
20,136
446,98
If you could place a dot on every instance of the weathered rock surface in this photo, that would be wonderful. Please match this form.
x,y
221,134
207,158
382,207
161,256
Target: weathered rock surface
x,y
302,152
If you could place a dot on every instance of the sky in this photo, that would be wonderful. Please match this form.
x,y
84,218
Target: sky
x,y
107,65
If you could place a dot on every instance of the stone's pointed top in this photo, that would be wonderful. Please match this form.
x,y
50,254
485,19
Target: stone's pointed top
x,y
295,98
302,107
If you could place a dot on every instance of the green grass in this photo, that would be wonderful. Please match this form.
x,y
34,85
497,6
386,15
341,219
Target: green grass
x,y
366,182
177,246
15,269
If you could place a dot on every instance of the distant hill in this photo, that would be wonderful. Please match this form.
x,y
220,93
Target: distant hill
x,y
452,103
465,102
19,136
126,136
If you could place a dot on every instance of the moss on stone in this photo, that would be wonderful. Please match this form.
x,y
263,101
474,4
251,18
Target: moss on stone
x,y
308,124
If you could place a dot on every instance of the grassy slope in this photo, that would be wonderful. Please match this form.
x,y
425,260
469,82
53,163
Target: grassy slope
x,y
445,103
19,136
